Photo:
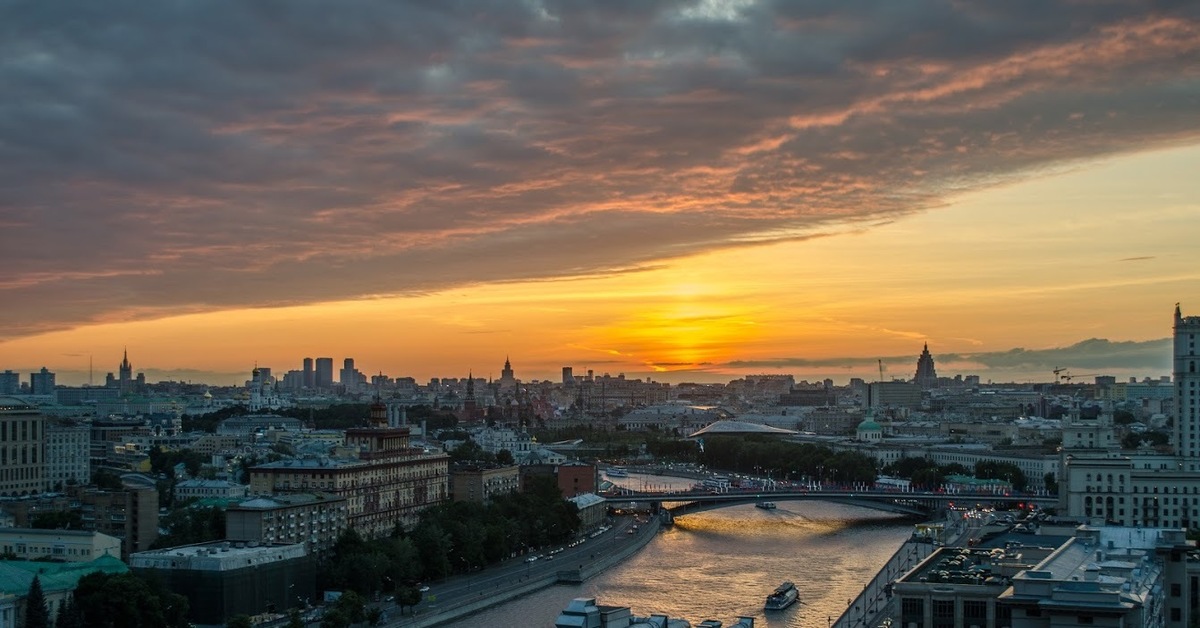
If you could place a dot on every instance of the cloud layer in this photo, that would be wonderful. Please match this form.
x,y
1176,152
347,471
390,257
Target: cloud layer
x,y
168,157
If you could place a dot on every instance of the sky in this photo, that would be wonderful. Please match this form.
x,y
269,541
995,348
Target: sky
x,y
685,191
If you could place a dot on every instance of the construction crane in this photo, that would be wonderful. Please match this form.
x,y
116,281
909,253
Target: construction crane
x,y
1069,377
1058,371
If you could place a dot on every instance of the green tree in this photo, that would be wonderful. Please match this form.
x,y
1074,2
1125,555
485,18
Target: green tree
x,y
1051,483
124,600
374,615
409,596
239,621
505,457
191,525
57,520
107,480
36,613
68,615
294,619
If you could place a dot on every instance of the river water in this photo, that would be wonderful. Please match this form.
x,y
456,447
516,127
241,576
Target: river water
x,y
722,563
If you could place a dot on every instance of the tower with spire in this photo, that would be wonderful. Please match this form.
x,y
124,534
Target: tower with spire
x,y
470,405
507,380
125,374
926,377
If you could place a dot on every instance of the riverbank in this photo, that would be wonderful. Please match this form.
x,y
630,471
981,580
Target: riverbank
x,y
432,614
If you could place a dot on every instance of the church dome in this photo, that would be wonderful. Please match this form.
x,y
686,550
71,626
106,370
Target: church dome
x,y
869,425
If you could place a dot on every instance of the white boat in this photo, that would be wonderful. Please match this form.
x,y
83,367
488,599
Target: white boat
x,y
782,597
617,472
766,505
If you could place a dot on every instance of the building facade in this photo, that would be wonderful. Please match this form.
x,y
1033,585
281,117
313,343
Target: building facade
x,y
58,545
315,520
1187,389
385,481
22,465
479,483
224,579
68,455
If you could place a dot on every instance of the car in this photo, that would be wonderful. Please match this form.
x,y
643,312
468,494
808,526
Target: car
x,y
531,559
424,588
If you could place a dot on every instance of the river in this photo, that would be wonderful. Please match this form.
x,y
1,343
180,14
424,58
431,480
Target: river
x,y
722,563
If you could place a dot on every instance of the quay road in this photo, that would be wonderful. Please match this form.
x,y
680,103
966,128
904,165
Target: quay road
x,y
461,595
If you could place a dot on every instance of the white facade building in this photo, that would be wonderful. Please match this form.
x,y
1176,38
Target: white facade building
x,y
68,453
210,489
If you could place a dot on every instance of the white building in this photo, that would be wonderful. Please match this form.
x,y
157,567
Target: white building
x,y
494,439
64,545
68,454
210,489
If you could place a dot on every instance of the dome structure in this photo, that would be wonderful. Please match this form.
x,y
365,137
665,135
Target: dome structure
x,y
868,430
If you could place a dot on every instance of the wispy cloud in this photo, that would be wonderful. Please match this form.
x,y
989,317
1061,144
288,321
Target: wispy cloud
x,y
166,157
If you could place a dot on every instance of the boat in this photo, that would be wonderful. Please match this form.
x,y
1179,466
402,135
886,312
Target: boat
x,y
782,597
766,505
617,472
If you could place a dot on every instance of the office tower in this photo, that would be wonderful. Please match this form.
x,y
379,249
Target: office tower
x,y
309,377
41,383
926,376
10,383
323,377
1187,381
568,376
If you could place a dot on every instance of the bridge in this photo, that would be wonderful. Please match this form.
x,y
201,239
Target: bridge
x,y
905,502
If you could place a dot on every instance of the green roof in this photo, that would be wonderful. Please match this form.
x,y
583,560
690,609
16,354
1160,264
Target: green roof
x,y
17,575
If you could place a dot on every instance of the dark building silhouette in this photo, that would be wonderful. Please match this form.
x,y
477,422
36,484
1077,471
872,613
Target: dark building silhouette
x,y
926,374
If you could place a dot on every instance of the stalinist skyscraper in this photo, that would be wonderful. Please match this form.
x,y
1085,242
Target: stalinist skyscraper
x,y
1187,387
926,377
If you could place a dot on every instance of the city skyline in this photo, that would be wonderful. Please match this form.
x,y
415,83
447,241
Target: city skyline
x,y
689,191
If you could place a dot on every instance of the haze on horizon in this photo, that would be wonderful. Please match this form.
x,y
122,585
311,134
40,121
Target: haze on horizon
x,y
686,190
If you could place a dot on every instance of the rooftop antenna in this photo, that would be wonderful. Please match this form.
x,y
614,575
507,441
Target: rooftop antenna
x,y
881,370
89,370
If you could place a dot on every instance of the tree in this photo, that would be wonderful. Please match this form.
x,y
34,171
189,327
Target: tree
x,y
294,619
36,613
239,621
118,600
68,615
408,596
107,480
504,456
1050,482
57,520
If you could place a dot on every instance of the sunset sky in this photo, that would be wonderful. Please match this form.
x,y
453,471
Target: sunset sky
x,y
688,191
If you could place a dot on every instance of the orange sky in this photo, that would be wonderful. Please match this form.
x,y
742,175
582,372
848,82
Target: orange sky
x,y
1103,250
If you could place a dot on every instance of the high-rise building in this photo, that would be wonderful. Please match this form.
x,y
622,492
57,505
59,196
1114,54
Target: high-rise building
x,y
309,377
926,377
350,378
323,377
508,381
125,375
568,376
1187,381
41,382
10,383
68,453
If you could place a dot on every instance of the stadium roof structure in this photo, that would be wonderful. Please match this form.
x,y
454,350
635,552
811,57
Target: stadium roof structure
x,y
733,428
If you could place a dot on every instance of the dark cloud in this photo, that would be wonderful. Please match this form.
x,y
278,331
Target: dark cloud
x,y
170,156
